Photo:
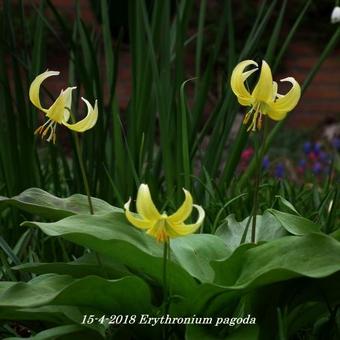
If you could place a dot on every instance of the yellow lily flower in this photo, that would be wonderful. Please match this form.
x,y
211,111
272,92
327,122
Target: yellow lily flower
x,y
162,226
59,111
264,99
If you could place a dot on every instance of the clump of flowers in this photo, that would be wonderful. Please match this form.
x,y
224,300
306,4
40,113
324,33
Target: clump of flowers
x,y
315,159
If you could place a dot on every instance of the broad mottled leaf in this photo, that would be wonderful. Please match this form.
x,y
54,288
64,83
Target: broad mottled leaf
x,y
112,236
44,204
59,331
252,266
296,225
124,296
311,255
267,228
195,252
89,264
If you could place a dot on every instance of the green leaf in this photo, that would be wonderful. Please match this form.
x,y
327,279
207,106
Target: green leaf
x,y
61,314
312,255
42,203
59,331
85,265
267,228
112,236
125,296
195,252
252,266
296,225
249,332
194,332
287,204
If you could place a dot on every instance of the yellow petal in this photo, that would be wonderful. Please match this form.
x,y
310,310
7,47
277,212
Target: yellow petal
x,y
184,210
182,229
145,205
287,102
159,231
276,115
58,109
263,90
68,104
275,87
238,78
88,122
137,222
35,88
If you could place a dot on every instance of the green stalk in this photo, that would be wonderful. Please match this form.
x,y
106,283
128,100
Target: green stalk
x,y
83,172
259,149
87,189
166,253
256,191
166,257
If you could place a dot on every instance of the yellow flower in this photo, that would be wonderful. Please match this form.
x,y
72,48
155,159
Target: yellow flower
x,y
264,99
162,226
59,111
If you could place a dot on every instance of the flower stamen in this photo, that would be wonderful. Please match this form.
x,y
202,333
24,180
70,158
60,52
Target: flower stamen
x,y
257,117
42,130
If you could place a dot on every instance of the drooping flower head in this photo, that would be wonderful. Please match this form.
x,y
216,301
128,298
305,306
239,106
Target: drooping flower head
x,y
59,111
162,226
335,16
264,99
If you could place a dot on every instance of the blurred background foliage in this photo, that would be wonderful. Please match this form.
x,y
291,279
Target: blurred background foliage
x,y
172,133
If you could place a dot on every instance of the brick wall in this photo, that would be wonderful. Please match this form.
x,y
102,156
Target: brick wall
x,y
321,101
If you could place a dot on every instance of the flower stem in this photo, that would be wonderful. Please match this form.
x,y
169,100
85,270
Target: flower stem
x,y
166,304
255,195
259,154
87,189
83,172
166,253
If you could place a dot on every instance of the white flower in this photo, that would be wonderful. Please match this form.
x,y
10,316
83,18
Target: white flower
x,y
335,17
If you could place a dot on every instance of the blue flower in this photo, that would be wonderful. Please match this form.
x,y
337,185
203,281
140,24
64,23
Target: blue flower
x,y
279,170
317,148
317,168
265,162
307,147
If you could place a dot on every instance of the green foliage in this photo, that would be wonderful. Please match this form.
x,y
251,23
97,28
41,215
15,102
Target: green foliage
x,y
214,276
62,263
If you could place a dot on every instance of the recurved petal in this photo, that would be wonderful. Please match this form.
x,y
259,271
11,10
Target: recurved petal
x,y
35,88
287,102
145,205
88,122
183,211
182,229
245,101
276,115
68,103
58,109
263,90
275,88
137,222
238,78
